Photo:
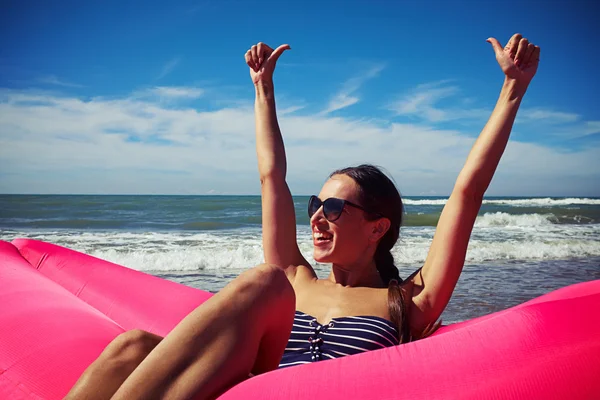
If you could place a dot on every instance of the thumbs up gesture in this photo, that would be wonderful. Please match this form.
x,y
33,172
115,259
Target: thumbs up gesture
x,y
262,59
519,59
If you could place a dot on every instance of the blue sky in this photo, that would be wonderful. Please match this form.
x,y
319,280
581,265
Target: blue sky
x,y
154,97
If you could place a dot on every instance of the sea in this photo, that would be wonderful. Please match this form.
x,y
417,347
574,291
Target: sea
x,y
520,248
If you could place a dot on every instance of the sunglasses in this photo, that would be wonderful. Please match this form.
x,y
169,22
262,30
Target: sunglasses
x,y
332,207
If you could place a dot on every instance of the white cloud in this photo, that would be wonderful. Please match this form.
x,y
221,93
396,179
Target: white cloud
x,y
289,110
591,127
424,97
58,144
578,130
177,92
421,102
339,101
345,97
558,124
541,115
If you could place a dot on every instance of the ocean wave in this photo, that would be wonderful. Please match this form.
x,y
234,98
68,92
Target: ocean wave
x,y
543,202
523,220
236,250
480,251
425,202
243,256
190,259
504,219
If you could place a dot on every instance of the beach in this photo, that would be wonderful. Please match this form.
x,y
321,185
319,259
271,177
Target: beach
x,y
520,248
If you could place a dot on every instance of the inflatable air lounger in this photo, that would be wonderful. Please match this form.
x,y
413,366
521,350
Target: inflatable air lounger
x,y
60,308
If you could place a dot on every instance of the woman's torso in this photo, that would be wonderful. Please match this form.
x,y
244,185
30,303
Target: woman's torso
x,y
333,321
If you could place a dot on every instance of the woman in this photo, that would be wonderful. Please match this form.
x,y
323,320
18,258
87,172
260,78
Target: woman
x,y
355,221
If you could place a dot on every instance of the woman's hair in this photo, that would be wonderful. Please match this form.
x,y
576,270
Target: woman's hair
x,y
379,195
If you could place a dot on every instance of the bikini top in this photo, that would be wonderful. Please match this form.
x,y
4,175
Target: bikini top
x,y
343,336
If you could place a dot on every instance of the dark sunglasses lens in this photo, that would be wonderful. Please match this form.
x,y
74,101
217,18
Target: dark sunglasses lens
x,y
313,205
332,208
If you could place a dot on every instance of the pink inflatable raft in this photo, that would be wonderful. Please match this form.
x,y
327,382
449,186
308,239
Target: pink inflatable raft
x,y
60,308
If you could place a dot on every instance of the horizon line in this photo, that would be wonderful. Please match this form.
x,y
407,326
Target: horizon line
x,y
293,195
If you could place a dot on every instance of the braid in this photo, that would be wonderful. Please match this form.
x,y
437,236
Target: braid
x,y
398,311
384,262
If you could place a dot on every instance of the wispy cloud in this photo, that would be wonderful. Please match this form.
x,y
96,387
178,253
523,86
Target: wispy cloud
x,y
578,130
53,80
423,97
121,141
559,124
289,110
339,101
177,92
546,116
422,101
168,67
424,104
346,96
591,128
168,95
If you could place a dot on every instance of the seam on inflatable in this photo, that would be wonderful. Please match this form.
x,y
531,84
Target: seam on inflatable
x,y
81,290
41,261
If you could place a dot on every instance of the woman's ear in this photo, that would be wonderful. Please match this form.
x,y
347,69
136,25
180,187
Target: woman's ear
x,y
380,228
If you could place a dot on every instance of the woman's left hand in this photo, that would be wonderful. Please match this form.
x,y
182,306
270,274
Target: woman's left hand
x,y
519,59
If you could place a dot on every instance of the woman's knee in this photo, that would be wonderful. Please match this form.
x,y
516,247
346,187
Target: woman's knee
x,y
130,348
269,281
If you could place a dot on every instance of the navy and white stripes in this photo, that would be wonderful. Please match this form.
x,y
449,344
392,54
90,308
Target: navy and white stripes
x,y
310,341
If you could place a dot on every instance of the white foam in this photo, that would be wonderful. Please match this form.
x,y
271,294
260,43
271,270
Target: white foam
x,y
531,250
550,202
540,202
425,202
186,259
505,219
496,236
485,251
489,243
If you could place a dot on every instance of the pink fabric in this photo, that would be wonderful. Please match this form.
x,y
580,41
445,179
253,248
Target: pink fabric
x,y
47,335
132,299
60,308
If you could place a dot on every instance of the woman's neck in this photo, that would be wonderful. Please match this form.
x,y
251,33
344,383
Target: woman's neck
x,y
356,275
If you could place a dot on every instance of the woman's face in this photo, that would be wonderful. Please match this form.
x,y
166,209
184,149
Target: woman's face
x,y
346,240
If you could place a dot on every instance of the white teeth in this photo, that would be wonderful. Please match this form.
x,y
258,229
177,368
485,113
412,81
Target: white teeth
x,y
321,236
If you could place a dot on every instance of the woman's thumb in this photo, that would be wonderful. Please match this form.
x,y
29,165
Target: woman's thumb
x,y
279,51
495,45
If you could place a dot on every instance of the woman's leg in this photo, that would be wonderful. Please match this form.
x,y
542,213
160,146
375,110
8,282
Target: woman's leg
x,y
244,328
104,376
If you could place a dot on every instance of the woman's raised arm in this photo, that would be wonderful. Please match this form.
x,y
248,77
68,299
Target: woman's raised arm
x,y
446,257
278,216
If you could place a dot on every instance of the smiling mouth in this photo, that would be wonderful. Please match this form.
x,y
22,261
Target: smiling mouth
x,y
322,237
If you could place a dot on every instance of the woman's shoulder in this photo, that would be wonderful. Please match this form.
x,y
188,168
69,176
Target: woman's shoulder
x,y
299,275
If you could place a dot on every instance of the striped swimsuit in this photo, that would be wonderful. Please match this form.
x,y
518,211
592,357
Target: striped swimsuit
x,y
310,341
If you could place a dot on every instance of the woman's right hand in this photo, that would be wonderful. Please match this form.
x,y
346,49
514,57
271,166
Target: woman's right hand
x,y
262,59
519,59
